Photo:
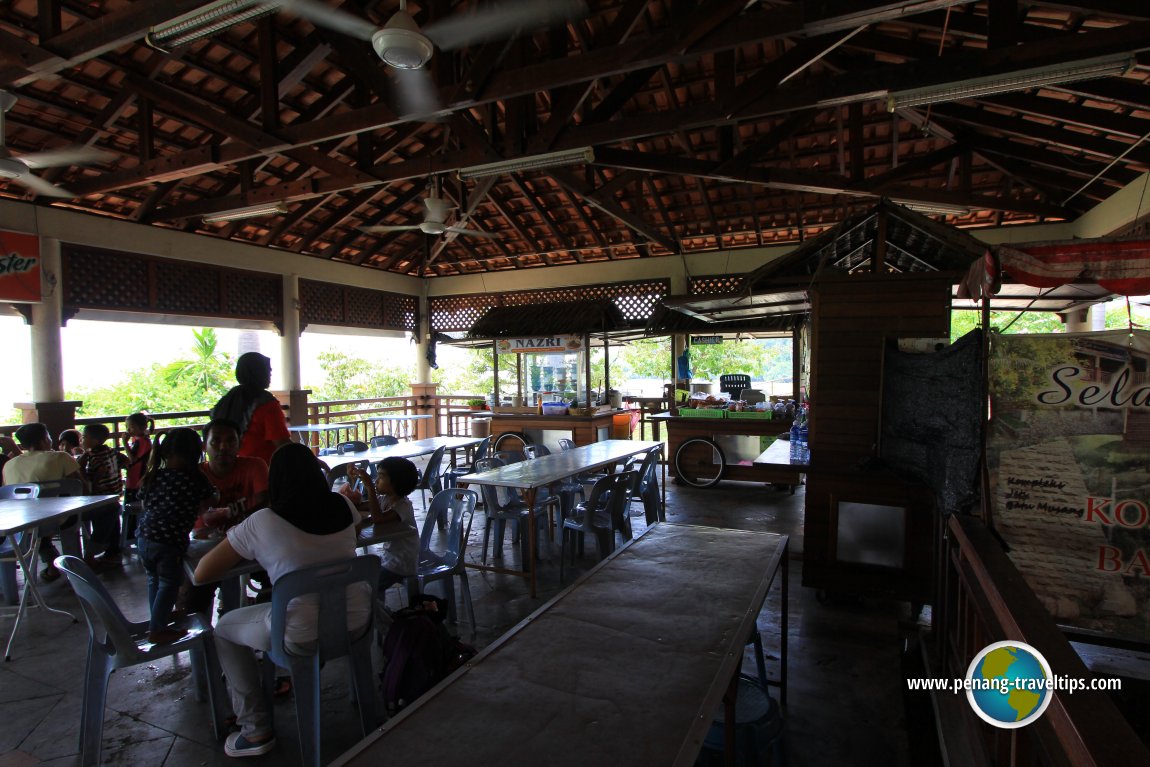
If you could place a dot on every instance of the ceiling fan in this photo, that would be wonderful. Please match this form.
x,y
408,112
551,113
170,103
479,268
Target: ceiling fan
x,y
406,48
19,168
434,221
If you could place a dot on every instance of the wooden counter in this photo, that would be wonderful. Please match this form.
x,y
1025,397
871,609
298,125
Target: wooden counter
x,y
583,429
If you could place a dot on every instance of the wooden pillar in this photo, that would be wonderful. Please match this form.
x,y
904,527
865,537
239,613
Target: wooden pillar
x,y
424,396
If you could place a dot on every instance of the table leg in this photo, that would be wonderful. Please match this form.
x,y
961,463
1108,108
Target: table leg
x,y
27,563
530,564
783,626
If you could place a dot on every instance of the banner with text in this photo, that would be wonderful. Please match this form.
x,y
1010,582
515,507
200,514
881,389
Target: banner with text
x,y
1068,452
541,344
19,268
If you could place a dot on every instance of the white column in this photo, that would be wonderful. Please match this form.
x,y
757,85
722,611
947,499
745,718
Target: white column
x,y
47,356
289,368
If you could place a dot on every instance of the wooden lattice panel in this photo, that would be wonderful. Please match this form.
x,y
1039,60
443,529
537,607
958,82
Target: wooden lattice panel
x,y
325,303
99,279
400,311
719,283
321,303
187,289
253,295
636,300
112,280
364,307
455,313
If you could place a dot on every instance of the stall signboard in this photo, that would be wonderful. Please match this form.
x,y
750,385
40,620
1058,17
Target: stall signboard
x,y
706,340
539,344
1068,452
19,268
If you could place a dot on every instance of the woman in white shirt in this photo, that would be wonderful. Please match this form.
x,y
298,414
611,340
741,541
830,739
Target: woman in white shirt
x,y
305,524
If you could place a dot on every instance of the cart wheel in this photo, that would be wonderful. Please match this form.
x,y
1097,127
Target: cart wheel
x,y
511,441
699,462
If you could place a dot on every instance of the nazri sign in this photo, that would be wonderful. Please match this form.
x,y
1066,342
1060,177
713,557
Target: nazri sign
x,y
19,268
539,344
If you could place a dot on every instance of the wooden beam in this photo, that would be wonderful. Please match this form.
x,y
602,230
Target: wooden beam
x,y
569,182
28,63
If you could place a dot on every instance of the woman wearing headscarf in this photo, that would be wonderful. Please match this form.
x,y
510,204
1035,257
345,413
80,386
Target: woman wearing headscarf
x,y
305,524
253,408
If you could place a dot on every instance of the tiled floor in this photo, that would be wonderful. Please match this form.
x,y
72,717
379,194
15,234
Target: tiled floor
x,y
845,696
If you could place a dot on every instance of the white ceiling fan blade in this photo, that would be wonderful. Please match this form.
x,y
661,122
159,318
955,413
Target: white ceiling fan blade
x,y
42,187
59,158
501,20
472,232
384,229
330,18
415,93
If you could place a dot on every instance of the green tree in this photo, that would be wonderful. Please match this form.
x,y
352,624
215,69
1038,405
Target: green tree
x,y
207,370
349,377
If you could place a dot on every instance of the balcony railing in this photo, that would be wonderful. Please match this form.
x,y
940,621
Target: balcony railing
x,y
985,600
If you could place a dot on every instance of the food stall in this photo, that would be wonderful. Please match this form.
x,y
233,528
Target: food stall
x,y
549,348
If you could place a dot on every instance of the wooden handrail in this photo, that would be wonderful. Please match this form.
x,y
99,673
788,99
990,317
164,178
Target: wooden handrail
x,y
1084,728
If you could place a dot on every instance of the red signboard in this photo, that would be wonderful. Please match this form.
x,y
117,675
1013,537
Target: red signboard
x,y
19,268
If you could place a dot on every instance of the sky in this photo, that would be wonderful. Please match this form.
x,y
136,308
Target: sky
x,y
102,353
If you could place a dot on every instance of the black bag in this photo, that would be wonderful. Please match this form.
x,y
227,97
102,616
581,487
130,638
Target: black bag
x,y
419,652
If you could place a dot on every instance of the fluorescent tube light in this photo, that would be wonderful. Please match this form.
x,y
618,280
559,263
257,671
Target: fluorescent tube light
x,y
934,207
253,211
550,160
206,21
992,85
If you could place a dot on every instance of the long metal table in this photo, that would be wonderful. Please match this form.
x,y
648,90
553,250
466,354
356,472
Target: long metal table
x,y
20,516
412,449
529,476
626,666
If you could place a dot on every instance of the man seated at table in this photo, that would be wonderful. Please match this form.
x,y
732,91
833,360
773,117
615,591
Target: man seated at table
x,y
242,482
40,463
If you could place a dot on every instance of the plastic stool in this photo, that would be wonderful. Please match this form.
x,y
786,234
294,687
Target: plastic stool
x,y
758,729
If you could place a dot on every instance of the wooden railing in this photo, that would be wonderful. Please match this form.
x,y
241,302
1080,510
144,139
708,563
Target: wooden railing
x,y
984,599
451,416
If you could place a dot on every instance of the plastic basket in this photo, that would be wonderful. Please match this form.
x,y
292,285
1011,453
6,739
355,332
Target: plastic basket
x,y
754,415
704,412
554,408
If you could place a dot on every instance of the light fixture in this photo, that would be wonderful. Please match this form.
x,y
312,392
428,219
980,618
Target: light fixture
x,y
400,43
992,85
206,21
253,211
549,160
938,208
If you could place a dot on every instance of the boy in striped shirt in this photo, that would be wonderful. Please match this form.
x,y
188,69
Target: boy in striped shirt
x,y
102,468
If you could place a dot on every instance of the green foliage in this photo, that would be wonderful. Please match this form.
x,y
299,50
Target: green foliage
x,y
349,377
1020,367
190,384
207,370
962,322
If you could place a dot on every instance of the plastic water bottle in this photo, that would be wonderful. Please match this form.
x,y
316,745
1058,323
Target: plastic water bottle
x,y
796,447
804,444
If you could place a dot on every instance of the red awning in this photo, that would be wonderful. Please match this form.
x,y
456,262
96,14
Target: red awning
x,y
1119,266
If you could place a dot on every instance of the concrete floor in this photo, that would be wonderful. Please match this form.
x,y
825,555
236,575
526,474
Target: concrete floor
x,y
845,697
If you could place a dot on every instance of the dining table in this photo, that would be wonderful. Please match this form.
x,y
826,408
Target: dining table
x,y
534,474
628,665
26,516
412,449
233,582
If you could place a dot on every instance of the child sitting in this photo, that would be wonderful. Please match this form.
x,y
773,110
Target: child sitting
x,y
69,442
387,503
174,493
100,466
